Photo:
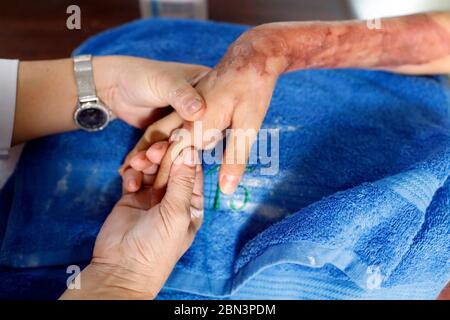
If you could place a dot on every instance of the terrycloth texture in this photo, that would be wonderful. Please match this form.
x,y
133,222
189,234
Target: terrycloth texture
x,y
359,209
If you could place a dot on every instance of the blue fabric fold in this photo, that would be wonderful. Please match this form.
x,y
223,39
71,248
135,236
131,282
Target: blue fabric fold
x,y
360,207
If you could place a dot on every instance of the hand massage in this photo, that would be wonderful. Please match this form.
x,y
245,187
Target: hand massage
x,y
183,159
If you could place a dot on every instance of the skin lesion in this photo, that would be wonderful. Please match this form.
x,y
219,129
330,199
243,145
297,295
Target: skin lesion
x,y
278,47
412,40
417,40
259,50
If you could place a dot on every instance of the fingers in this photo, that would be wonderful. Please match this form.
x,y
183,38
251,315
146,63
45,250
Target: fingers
x,y
132,180
162,177
237,152
180,186
197,208
160,152
197,73
144,166
134,176
157,151
169,157
184,98
139,161
197,201
158,131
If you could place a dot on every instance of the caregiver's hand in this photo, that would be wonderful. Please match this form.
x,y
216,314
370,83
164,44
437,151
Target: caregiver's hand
x,y
237,94
139,244
133,88
238,91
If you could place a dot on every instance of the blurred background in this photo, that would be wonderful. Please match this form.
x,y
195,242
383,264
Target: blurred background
x,y
36,29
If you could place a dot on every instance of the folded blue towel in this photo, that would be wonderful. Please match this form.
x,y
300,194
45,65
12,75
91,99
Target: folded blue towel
x,y
359,209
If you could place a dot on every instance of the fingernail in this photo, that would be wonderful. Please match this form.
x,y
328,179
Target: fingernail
x,y
132,185
228,183
189,157
138,162
194,106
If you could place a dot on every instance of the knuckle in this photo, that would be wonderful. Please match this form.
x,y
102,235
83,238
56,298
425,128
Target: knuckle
x,y
184,182
175,211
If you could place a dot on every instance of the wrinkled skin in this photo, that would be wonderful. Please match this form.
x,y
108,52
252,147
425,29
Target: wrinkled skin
x,y
146,233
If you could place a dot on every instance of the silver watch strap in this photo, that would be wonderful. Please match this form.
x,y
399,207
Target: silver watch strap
x,y
84,76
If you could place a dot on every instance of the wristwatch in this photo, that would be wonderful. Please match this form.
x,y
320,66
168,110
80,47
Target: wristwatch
x,y
90,113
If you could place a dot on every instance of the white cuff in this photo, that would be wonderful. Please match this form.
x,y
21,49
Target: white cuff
x,y
8,88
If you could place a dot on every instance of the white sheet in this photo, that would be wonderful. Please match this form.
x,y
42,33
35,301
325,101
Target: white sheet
x,y
7,165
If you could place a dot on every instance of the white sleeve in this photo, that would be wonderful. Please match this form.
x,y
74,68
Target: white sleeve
x,y
8,88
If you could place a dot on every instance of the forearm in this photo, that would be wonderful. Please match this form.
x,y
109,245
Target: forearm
x,y
411,44
411,41
47,96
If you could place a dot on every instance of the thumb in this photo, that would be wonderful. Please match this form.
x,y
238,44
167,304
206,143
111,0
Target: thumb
x,y
184,98
177,200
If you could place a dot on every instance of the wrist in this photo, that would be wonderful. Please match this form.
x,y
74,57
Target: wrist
x,y
105,69
102,281
265,38
259,49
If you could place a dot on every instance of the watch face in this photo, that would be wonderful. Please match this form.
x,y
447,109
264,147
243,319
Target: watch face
x,y
92,117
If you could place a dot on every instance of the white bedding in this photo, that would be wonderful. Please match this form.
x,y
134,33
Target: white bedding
x,y
8,164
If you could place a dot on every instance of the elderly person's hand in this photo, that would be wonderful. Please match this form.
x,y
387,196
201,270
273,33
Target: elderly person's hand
x,y
237,94
239,89
140,243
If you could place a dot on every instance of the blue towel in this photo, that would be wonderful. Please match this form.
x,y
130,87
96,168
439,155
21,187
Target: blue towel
x,y
360,207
